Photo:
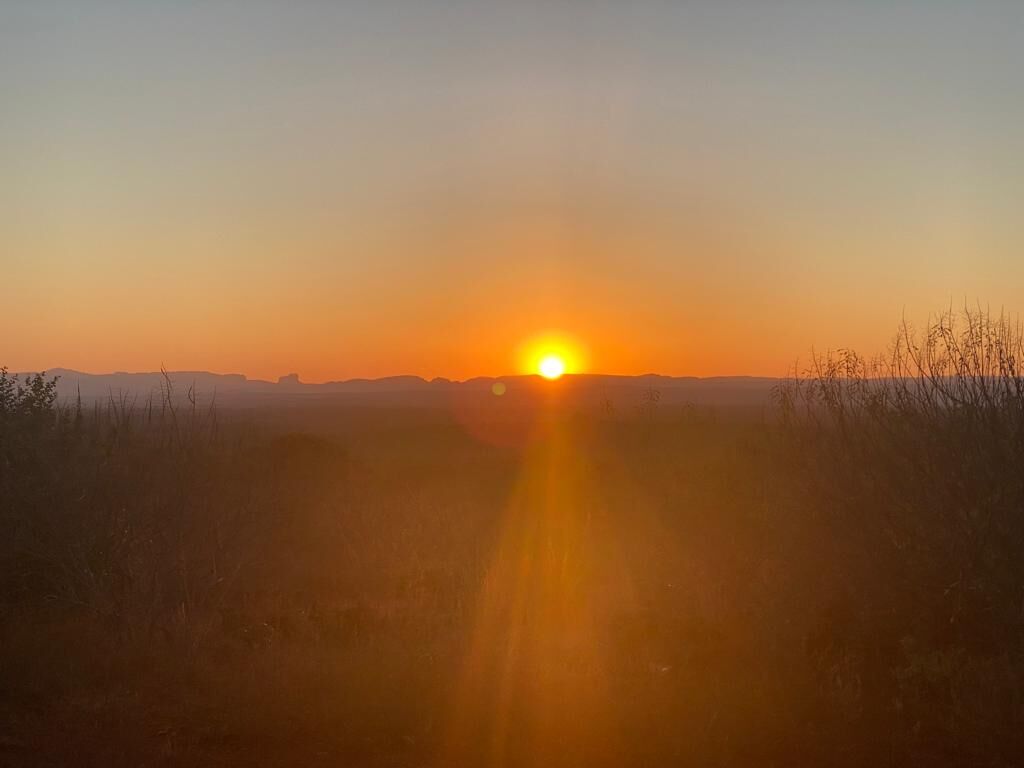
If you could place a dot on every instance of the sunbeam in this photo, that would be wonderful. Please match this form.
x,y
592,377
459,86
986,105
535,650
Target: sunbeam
x,y
533,683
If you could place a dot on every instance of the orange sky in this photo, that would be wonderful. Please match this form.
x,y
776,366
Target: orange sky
x,y
357,191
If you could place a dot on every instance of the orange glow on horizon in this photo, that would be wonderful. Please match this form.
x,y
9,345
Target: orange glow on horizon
x,y
551,355
320,235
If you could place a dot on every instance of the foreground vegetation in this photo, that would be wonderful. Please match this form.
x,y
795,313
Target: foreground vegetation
x,y
840,582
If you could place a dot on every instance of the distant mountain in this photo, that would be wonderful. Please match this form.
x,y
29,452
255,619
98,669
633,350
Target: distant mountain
x,y
236,389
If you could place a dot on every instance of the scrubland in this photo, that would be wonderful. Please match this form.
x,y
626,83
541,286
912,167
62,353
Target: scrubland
x,y
838,579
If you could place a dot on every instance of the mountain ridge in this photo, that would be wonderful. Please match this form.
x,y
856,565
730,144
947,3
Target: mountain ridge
x,y
409,389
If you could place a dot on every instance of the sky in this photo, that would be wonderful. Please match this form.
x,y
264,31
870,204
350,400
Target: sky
x,y
345,189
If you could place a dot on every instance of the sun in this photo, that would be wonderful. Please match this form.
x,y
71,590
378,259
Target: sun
x,y
552,354
551,367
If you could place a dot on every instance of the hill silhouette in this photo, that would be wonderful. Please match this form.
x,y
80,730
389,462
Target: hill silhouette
x,y
582,389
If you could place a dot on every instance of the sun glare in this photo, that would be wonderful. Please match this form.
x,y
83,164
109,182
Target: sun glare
x,y
552,355
551,367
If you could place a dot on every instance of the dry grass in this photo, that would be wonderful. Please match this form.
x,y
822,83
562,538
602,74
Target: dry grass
x,y
840,585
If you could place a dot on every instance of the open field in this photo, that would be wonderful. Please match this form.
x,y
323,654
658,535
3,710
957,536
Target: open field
x,y
835,582
459,384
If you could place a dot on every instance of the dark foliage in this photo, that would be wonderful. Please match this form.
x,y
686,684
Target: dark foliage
x,y
839,585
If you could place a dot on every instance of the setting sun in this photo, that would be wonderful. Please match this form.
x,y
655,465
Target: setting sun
x,y
551,367
534,384
552,355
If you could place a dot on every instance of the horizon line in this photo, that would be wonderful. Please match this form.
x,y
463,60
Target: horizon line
x,y
296,379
